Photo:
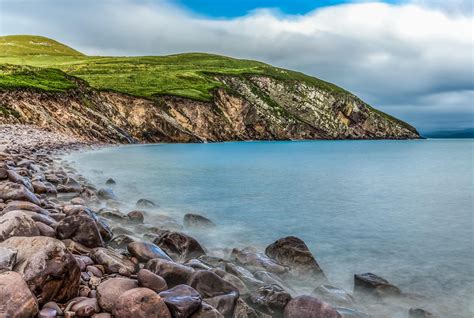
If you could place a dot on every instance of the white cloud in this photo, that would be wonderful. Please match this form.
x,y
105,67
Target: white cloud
x,y
396,57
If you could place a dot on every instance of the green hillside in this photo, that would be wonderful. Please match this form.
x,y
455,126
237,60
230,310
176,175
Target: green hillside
x,y
21,45
189,75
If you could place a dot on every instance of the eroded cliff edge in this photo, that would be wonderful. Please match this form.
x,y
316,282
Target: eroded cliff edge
x,y
247,107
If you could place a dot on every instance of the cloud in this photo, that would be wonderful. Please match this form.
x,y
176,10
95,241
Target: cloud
x,y
406,58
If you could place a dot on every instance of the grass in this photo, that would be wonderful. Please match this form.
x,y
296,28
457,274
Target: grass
x,y
190,75
18,45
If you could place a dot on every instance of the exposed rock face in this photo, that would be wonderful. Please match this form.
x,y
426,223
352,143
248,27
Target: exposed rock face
x,y
50,271
253,108
16,300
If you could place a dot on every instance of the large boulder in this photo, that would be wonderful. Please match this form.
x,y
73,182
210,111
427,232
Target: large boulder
x,y
49,269
373,286
173,273
309,307
17,223
145,251
16,300
15,191
110,290
254,261
181,300
112,261
140,302
215,291
271,299
191,220
292,252
179,246
81,228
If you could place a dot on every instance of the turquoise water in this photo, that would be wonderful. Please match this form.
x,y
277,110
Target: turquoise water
x,y
400,209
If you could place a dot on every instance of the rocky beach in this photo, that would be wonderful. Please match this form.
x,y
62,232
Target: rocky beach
x,y
69,248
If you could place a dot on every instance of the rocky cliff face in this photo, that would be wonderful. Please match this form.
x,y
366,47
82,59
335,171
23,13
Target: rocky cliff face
x,y
249,108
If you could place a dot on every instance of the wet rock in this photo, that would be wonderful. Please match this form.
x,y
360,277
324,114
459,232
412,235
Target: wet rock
x,y
272,279
419,313
15,191
120,242
81,228
215,291
150,280
75,248
104,229
309,307
70,185
44,187
13,176
112,214
112,261
45,230
110,181
94,270
234,280
197,264
48,268
135,216
179,246
213,261
24,206
292,252
173,273
244,275
145,251
3,173
243,310
7,258
254,261
17,223
191,220
16,299
181,300
54,306
110,290
47,313
122,230
333,295
373,286
350,313
140,302
206,311
78,201
271,299
145,204
84,306
106,194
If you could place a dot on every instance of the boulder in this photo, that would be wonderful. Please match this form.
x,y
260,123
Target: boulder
x,y
136,216
110,181
206,311
104,228
121,242
145,204
15,191
373,286
232,279
179,246
145,251
271,299
69,185
309,307
106,194
44,187
333,295
140,302
254,261
16,299
173,273
182,300
214,290
350,313
81,228
272,279
13,176
7,258
419,313
48,268
246,276
150,280
45,230
24,206
110,290
243,310
112,261
112,214
191,220
292,252
17,223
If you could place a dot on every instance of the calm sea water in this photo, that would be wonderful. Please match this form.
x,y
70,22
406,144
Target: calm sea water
x,y
400,209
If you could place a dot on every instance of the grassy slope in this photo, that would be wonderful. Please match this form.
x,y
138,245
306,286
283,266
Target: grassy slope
x,y
17,45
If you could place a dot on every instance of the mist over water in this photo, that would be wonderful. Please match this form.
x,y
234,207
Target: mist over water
x,y
400,209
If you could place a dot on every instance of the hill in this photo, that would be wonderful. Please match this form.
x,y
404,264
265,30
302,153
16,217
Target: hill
x,y
21,45
205,96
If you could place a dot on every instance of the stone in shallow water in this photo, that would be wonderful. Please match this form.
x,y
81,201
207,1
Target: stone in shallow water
x,y
350,313
182,300
179,246
371,285
136,216
419,313
244,275
110,181
309,307
254,261
270,298
106,194
191,220
333,295
292,252
112,261
110,290
140,302
16,299
150,280
144,203
145,251
48,268
243,310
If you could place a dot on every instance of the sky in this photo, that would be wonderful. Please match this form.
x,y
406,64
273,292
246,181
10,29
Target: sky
x,y
411,58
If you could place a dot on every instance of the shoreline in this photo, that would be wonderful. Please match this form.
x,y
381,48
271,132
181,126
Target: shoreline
x,y
86,257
